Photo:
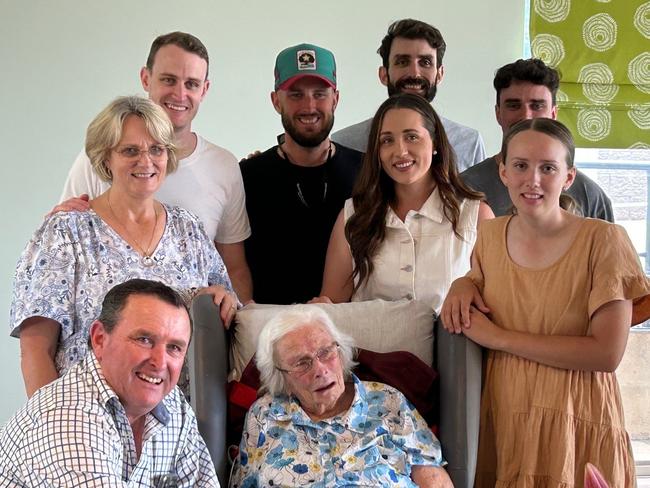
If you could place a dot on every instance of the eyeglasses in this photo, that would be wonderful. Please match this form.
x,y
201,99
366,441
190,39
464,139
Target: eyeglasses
x,y
305,365
155,151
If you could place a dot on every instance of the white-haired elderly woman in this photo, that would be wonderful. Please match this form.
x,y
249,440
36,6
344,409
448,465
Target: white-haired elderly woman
x,y
74,258
319,425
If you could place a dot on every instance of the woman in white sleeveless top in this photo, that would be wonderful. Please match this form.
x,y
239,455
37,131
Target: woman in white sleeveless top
x,y
410,226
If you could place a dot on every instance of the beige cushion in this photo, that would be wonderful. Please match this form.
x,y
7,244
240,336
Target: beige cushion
x,y
376,325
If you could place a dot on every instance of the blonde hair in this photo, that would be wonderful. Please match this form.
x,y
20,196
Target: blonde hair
x,y
105,131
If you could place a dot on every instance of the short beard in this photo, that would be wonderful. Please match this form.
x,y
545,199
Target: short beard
x,y
307,140
429,89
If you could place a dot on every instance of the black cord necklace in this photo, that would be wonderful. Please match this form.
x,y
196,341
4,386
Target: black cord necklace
x,y
299,192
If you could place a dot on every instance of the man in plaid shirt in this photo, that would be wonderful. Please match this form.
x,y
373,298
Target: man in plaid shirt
x,y
116,419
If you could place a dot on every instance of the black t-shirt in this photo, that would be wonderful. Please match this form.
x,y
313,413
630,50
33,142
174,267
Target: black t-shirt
x,y
292,210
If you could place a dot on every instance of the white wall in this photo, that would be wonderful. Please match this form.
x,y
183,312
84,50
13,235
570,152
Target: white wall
x,y
62,61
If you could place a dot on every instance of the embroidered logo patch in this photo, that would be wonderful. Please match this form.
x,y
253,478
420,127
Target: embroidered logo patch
x,y
306,60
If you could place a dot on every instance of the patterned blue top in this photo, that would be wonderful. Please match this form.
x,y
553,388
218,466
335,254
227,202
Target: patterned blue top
x,y
75,432
74,258
374,443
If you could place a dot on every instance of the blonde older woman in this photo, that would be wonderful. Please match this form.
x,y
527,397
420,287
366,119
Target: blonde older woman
x,y
320,425
75,257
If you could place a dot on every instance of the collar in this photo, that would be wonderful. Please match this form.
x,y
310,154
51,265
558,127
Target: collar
x,y
431,209
109,399
287,409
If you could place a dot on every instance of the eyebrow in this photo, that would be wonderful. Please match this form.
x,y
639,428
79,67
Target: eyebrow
x,y
172,75
149,333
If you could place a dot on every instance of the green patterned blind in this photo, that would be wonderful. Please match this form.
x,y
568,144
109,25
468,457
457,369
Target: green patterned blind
x,y
602,50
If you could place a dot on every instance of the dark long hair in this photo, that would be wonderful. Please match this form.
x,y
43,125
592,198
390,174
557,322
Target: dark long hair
x,y
375,190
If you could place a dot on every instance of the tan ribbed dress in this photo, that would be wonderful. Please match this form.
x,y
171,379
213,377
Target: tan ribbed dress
x,y
539,424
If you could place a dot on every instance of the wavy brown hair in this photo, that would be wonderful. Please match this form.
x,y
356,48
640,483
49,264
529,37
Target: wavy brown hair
x,y
374,190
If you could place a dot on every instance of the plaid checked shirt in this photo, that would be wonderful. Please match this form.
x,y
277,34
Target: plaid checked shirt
x,y
74,432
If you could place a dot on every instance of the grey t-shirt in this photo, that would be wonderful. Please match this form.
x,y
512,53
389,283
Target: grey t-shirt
x,y
467,142
484,177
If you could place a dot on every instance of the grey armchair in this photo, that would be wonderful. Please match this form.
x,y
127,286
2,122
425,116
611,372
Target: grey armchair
x,y
457,359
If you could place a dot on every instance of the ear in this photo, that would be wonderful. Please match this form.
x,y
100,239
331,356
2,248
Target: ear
x,y
275,100
502,174
336,100
383,75
206,87
554,112
145,78
98,338
497,113
440,75
570,178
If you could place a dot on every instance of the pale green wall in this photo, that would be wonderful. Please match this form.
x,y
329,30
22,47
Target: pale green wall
x,y
62,61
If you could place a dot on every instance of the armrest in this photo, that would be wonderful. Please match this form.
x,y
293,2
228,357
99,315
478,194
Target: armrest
x,y
208,365
459,363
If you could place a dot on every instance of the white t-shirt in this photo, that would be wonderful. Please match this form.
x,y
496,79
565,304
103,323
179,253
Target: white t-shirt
x,y
420,257
208,183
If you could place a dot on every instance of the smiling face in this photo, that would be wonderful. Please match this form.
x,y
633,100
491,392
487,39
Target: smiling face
x,y
406,148
535,172
177,82
142,357
137,167
319,390
412,68
524,100
307,110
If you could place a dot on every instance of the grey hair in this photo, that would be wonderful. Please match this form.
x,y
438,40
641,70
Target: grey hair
x,y
285,322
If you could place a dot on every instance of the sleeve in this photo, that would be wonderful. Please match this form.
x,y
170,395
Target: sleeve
x,y
45,278
217,272
234,226
81,179
72,448
246,468
604,209
479,149
615,268
413,435
194,466
476,271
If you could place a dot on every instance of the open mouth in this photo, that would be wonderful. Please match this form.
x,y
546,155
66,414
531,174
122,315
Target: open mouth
x,y
149,379
532,196
143,175
325,388
402,165
175,107
308,119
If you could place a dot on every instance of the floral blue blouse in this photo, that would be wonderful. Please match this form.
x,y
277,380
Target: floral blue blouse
x,y
374,443
74,258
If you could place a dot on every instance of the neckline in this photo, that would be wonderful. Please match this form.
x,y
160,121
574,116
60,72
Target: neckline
x,y
126,244
563,257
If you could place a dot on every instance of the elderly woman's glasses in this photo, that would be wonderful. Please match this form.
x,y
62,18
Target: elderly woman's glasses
x,y
155,151
304,365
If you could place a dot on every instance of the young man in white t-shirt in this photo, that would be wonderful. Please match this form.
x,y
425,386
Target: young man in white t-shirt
x,y
208,181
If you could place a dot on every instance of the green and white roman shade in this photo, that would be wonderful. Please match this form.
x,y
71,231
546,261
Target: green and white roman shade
x,y
602,50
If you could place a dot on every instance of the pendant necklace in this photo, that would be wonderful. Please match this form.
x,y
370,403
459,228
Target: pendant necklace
x,y
146,259
299,192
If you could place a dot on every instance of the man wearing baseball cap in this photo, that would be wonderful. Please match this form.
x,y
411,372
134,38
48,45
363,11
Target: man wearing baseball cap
x,y
295,190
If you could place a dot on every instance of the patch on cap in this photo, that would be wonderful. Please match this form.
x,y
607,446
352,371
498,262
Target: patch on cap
x,y
306,59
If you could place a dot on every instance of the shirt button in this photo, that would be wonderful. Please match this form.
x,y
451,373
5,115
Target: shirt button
x,y
408,268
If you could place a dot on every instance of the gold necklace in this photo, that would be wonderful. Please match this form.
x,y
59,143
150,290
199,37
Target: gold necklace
x,y
146,258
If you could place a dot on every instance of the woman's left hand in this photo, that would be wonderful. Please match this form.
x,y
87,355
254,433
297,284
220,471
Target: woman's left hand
x,y
483,331
226,300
